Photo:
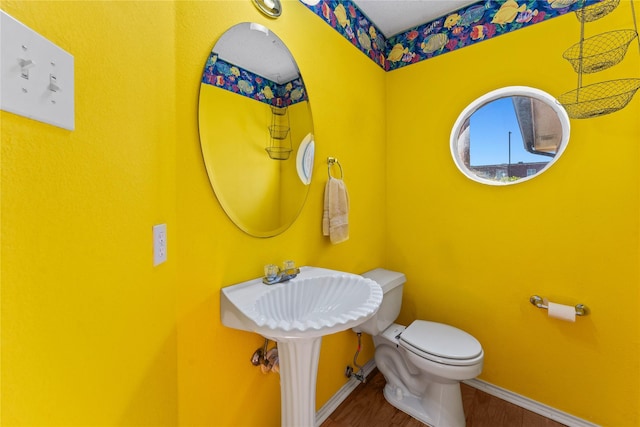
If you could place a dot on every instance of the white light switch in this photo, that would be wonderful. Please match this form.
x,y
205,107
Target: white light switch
x,y
37,77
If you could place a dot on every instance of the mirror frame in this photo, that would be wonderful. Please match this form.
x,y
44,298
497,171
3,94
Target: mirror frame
x,y
506,92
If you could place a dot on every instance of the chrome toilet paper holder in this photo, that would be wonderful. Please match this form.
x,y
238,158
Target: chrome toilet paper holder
x,y
581,309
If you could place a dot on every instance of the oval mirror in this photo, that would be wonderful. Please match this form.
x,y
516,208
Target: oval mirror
x,y
509,135
256,130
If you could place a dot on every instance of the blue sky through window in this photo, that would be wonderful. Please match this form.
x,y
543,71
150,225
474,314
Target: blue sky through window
x,y
489,133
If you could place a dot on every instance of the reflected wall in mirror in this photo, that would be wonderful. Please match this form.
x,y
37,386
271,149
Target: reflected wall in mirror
x,y
509,135
251,85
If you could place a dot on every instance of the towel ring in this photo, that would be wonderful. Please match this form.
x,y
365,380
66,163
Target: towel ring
x,y
333,161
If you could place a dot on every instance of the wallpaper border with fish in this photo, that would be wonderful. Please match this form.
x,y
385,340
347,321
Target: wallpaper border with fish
x,y
347,19
472,24
223,74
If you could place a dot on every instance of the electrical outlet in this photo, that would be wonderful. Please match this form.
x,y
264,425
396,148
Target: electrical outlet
x,y
159,244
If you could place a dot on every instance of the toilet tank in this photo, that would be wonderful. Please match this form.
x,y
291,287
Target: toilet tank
x,y
391,283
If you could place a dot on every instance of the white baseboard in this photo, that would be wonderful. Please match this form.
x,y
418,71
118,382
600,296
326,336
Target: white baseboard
x,y
335,400
529,404
506,395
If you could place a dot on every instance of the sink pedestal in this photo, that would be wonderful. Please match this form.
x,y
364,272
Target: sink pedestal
x,y
296,315
298,373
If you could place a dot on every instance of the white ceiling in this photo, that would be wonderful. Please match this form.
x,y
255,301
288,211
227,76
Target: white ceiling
x,y
255,48
395,16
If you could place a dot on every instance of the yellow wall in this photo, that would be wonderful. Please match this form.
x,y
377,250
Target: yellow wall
x,y
473,254
217,385
93,334
232,143
88,324
268,195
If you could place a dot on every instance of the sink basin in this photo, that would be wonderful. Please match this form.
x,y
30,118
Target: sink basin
x,y
317,302
296,314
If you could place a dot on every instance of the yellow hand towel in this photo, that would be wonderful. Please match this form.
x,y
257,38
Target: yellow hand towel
x,y
335,218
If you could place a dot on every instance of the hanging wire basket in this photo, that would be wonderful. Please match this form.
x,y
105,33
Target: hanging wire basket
x,y
279,153
599,99
596,11
278,131
278,111
599,52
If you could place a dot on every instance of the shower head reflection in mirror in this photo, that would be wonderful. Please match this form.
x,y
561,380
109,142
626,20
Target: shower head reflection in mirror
x,y
509,135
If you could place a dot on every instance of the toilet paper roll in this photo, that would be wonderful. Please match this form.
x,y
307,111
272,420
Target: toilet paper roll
x,y
561,311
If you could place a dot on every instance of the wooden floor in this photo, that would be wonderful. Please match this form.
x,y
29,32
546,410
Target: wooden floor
x,y
366,407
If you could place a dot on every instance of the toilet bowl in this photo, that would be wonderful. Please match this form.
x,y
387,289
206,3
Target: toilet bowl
x,y
422,363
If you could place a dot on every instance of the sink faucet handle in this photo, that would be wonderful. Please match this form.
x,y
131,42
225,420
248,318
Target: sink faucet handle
x,y
288,265
271,272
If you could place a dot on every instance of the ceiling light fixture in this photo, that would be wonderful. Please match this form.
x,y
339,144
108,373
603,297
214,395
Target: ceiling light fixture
x,y
271,8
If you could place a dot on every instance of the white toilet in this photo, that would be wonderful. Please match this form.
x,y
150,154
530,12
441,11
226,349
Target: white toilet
x,y
423,363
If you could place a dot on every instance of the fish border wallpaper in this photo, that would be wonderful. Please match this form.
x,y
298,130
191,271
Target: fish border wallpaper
x,y
472,24
223,74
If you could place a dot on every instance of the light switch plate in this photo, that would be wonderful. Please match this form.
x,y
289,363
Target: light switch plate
x,y
37,77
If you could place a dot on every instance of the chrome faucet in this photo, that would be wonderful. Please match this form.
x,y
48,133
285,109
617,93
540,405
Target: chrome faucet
x,y
273,274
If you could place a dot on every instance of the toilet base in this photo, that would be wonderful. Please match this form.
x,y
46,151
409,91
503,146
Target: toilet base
x,y
441,405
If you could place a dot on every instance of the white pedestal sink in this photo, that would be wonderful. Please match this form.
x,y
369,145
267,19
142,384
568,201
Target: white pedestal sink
x,y
296,314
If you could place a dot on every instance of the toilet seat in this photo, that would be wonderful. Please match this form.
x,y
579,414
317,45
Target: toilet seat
x,y
441,343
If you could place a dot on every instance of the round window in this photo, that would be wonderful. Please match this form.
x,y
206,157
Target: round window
x,y
509,135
